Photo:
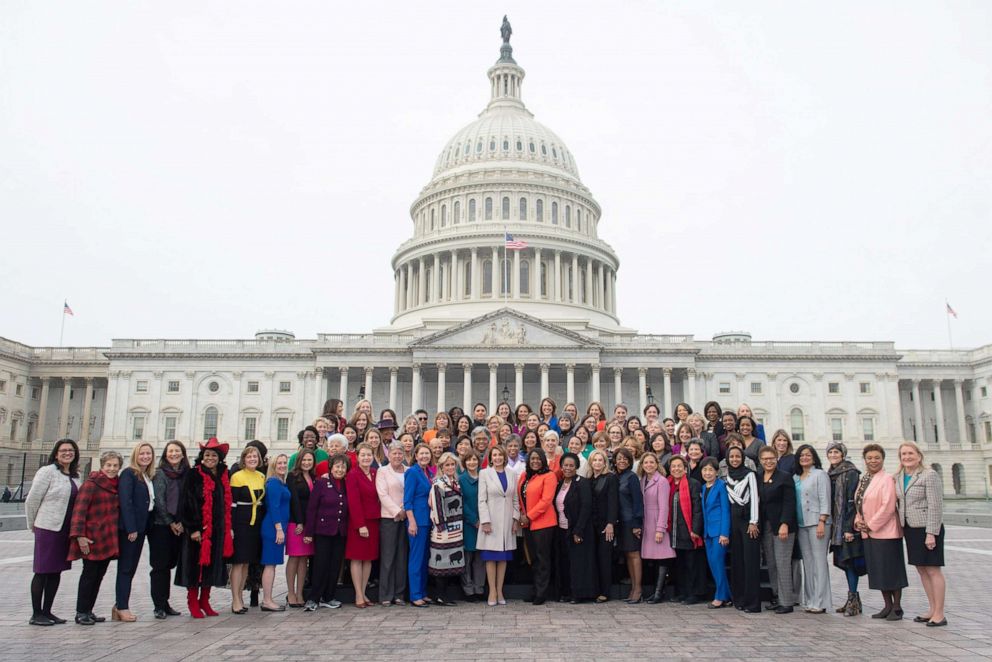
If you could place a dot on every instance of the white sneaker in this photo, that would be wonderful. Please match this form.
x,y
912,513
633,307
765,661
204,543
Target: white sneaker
x,y
310,606
333,604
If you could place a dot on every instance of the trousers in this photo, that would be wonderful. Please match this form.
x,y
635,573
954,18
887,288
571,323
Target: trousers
x,y
745,565
127,565
328,552
163,557
417,562
816,569
89,584
540,543
392,559
716,556
778,558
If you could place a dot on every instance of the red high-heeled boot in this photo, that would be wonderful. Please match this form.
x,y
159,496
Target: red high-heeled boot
x,y
205,601
193,603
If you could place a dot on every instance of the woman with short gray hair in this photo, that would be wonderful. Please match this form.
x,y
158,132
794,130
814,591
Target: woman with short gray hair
x,y
392,524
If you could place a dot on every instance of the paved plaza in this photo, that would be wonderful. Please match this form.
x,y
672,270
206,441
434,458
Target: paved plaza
x,y
516,631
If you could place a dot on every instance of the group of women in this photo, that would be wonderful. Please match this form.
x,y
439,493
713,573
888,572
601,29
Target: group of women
x,y
564,500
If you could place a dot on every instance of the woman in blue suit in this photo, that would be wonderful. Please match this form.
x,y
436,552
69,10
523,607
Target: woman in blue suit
x,y
716,529
137,497
416,490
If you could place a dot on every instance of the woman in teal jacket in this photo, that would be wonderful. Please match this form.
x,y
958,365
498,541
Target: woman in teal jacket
x,y
716,529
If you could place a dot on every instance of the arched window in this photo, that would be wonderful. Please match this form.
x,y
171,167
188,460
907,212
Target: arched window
x,y
432,218
957,478
478,147
554,152
578,219
487,277
525,277
554,213
544,149
492,144
210,416
467,148
468,278
539,211
428,272
523,209
531,146
520,145
506,208
568,216
797,424
489,209
506,144
444,215
940,471
471,210
457,212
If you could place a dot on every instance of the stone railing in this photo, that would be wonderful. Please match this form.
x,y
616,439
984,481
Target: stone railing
x,y
211,346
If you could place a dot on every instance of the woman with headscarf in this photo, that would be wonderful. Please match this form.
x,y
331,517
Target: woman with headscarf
x,y
745,545
845,541
537,517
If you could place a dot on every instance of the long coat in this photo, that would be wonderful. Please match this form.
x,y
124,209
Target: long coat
x,y
363,510
189,572
581,556
470,509
499,508
95,517
657,502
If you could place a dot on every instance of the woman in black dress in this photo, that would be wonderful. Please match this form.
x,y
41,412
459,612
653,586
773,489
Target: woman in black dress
x,y
631,506
605,497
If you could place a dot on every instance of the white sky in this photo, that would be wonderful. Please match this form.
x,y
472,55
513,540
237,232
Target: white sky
x,y
801,170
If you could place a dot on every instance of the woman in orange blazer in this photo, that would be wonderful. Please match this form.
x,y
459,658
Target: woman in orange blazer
x,y
538,518
878,521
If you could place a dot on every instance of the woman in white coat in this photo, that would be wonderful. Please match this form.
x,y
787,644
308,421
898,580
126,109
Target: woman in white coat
x,y
499,518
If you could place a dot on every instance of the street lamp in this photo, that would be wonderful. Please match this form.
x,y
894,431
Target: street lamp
x,y
650,396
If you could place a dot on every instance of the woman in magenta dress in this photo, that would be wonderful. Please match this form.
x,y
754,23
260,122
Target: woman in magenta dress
x,y
362,544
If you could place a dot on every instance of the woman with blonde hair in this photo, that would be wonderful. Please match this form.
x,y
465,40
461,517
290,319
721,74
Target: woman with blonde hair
x,y
275,526
137,500
247,494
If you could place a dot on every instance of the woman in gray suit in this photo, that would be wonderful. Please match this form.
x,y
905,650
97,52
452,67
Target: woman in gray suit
x,y
499,520
813,514
920,502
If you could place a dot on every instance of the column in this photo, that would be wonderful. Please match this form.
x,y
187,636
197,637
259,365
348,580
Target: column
x,y
608,292
588,300
617,386
775,406
84,431
613,291
497,274
396,290
394,375
318,389
467,388
441,385
436,280
457,287
343,391
64,412
493,367
574,280
408,284
368,382
535,273
475,274
545,390
518,384
416,402
557,281
642,388
851,427
39,433
516,274
939,406
959,405
422,283
667,376
594,396
691,379
919,424
569,382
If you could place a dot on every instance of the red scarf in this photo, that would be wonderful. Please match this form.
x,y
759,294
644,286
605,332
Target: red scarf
x,y
206,537
685,505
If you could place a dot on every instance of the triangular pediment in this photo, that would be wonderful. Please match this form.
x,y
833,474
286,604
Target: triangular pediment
x,y
506,328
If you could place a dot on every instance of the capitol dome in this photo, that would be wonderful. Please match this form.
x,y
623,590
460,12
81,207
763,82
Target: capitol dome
x,y
505,220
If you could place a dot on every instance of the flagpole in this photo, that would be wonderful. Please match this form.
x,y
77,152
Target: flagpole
x,y
506,284
947,313
62,330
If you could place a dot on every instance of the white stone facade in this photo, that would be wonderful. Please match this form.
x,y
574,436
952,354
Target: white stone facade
x,y
458,336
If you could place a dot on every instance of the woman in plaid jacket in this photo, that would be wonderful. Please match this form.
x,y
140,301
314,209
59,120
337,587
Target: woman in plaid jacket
x,y
93,533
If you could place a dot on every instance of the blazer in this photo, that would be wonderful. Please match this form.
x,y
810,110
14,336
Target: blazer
x,y
327,512
878,505
470,510
48,499
299,497
711,446
94,516
539,503
631,500
498,508
716,510
389,486
813,497
135,500
777,501
416,490
605,501
577,507
921,503
363,500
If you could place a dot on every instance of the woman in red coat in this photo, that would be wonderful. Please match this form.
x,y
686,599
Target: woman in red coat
x,y
362,543
93,533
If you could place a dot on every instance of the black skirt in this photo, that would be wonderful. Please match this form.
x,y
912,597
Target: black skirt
x,y
628,542
916,549
247,542
886,565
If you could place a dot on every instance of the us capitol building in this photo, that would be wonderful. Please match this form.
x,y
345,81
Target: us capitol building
x,y
473,321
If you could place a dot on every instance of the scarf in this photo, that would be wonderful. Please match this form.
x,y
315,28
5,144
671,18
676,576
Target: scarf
x,y
859,494
685,506
206,538
841,476
172,488
740,486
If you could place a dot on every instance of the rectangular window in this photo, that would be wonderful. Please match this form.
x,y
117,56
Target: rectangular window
x,y
985,391
138,432
282,428
285,387
724,388
837,429
988,432
170,427
253,387
868,428
250,424
173,386
141,386
3,385
865,388
36,393
755,388
833,388
19,390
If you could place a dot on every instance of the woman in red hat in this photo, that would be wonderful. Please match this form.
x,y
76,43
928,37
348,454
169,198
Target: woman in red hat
x,y
205,512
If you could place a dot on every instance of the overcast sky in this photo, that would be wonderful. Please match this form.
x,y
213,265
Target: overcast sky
x,y
800,170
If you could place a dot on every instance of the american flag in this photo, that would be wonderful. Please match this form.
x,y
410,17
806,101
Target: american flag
x,y
66,310
950,311
514,244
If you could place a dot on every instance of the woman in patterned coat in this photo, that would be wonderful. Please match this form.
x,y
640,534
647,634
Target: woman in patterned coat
x,y
447,549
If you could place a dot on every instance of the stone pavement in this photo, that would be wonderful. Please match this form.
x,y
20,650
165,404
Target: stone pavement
x,y
516,631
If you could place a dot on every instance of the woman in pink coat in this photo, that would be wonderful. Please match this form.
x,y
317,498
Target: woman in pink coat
x,y
878,522
656,544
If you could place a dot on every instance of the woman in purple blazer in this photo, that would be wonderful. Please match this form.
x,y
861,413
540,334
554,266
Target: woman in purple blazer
x,y
326,527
